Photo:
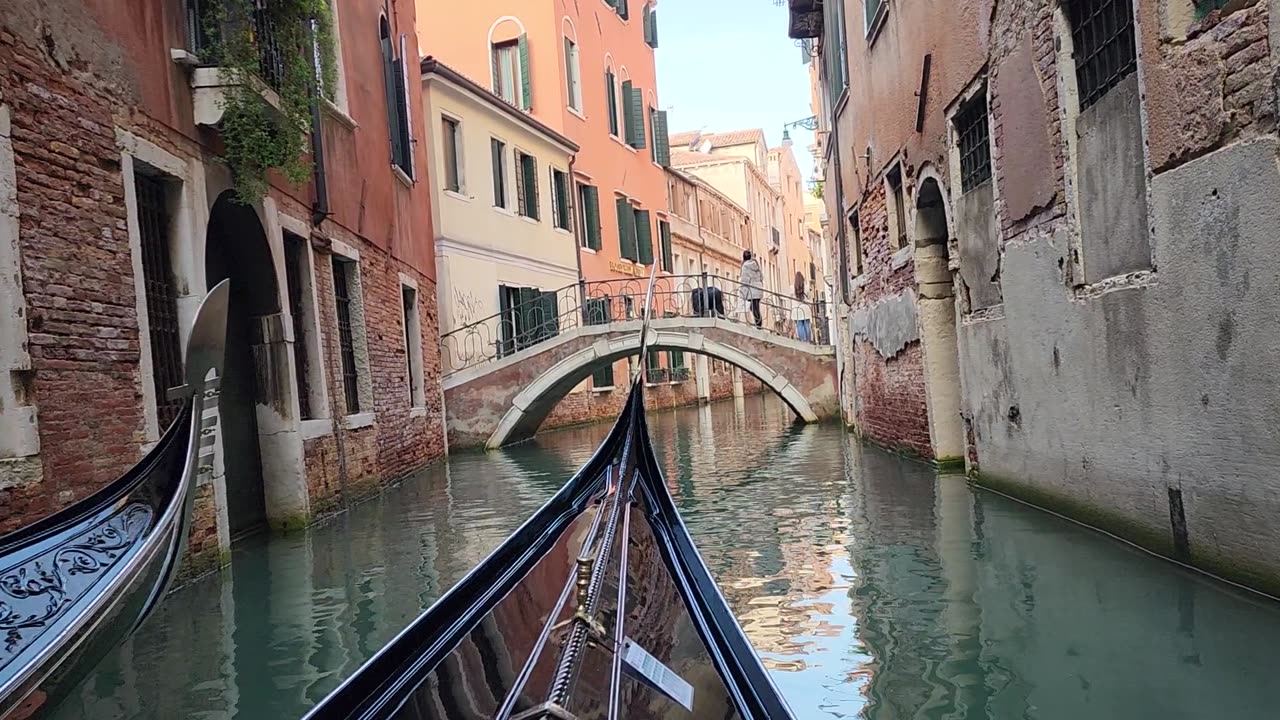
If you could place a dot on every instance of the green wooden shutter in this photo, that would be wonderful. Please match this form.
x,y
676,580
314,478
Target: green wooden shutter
x,y
611,92
497,150
529,178
526,80
550,315
648,13
644,238
568,69
664,237
623,12
660,140
593,229
635,107
628,122
522,192
626,229
653,29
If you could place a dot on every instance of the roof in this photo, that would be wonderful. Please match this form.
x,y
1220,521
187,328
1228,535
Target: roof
x,y
432,66
724,139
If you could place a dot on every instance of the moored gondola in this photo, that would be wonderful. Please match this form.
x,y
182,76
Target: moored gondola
x,y
599,606
77,583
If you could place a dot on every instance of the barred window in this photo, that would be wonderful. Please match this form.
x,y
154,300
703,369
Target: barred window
x,y
161,294
975,142
346,335
1105,48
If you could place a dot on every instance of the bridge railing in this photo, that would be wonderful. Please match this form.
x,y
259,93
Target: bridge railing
x,y
529,317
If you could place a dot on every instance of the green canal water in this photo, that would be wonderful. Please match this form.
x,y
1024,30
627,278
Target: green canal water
x,y
872,588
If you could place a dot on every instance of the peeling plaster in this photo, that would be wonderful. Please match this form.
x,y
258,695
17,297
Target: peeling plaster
x,y
889,325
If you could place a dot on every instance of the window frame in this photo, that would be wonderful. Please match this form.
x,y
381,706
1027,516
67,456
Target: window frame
x,y
573,75
411,324
498,160
561,206
457,183
517,80
526,206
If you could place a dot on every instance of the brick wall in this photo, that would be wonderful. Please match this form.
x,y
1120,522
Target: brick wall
x,y
890,405
578,408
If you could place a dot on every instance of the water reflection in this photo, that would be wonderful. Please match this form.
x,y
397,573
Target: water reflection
x,y
871,588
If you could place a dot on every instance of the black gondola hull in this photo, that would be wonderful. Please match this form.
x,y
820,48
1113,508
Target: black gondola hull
x,y
75,584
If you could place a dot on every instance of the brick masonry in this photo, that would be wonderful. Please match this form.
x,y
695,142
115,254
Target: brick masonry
x,y
890,407
86,376
586,406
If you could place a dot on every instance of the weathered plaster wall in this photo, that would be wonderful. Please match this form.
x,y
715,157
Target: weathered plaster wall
x,y
1113,185
978,240
1103,405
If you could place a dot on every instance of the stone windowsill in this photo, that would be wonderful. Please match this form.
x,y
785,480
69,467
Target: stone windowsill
x,y
901,257
209,86
602,390
417,412
357,421
401,175
318,427
339,114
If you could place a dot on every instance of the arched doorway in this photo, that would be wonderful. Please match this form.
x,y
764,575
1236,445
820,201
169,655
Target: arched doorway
x,y
237,249
938,322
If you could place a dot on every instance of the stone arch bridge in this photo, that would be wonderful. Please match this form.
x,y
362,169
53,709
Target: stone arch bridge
x,y
506,400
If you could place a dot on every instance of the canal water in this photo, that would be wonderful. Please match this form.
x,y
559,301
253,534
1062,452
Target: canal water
x,y
872,588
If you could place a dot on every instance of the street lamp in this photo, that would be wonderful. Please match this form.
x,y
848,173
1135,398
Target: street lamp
x,y
810,123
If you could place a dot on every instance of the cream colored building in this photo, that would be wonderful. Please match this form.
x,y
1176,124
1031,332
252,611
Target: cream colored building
x,y
797,254
500,203
736,164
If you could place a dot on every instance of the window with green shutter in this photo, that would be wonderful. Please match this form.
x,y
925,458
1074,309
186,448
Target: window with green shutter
x,y
589,202
644,238
623,11
611,93
560,199
498,152
526,185
602,379
661,144
635,116
627,241
664,237
628,121
651,26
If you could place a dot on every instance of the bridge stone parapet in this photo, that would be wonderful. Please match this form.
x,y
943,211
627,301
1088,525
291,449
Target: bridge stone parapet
x,y
505,401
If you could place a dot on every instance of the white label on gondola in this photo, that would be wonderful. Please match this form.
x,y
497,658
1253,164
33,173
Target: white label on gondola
x,y
655,673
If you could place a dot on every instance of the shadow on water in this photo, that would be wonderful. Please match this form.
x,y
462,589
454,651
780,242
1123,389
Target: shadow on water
x,y
871,586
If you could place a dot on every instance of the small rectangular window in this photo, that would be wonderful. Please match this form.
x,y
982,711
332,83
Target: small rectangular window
x,y
974,137
343,299
899,207
573,74
602,379
1104,45
298,277
669,263
855,243
527,185
498,151
413,345
452,155
560,204
164,330
589,215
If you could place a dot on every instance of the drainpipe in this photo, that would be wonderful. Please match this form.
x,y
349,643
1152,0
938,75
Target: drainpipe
x,y
834,325
577,238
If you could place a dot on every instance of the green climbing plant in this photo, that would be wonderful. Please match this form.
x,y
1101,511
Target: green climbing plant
x,y
285,46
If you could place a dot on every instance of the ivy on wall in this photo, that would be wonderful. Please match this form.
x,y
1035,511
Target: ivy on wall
x,y
283,47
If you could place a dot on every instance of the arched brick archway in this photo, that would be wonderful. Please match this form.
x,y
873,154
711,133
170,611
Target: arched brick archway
x,y
507,401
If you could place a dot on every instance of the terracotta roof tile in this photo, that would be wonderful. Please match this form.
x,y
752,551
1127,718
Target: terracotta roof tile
x,y
724,139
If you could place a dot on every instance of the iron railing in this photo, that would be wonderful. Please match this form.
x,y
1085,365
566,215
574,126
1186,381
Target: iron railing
x,y
203,31
526,324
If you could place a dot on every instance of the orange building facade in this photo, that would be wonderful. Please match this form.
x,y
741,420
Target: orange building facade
x,y
586,70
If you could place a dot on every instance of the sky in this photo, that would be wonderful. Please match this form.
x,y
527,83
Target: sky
x,y
729,65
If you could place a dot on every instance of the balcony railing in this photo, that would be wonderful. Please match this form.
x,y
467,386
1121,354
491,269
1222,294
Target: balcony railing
x,y
550,313
203,35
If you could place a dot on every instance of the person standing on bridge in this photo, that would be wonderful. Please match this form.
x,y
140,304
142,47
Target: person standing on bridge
x,y
752,280
800,313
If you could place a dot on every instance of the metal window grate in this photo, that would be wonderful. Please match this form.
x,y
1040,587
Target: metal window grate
x,y
975,142
295,266
1104,45
346,340
162,294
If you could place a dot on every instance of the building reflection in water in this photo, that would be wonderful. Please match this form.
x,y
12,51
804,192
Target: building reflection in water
x,y
871,587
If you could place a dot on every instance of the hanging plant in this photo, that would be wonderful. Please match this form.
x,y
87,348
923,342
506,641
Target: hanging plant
x,y
283,47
